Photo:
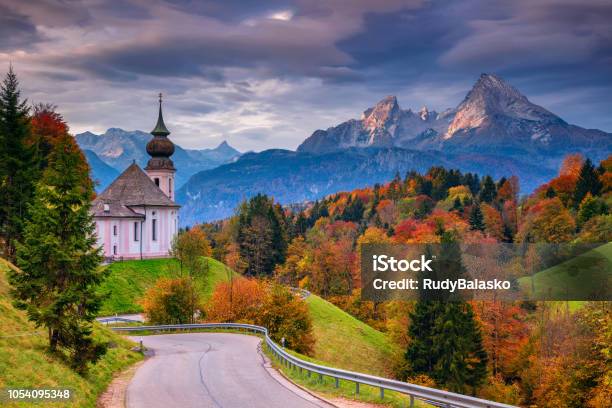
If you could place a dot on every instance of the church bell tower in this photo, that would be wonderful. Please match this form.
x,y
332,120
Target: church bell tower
x,y
160,168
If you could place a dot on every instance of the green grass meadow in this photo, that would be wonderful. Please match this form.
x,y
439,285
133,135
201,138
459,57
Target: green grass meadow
x,y
129,280
579,278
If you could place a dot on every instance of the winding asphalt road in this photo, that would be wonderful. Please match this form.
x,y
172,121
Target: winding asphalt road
x,y
219,370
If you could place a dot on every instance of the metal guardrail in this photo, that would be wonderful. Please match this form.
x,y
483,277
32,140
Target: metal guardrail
x,y
429,395
114,319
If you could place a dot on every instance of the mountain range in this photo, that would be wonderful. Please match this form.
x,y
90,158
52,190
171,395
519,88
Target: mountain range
x,y
494,118
117,148
495,130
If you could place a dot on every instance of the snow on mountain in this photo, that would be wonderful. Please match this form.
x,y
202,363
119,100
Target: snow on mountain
x,y
494,118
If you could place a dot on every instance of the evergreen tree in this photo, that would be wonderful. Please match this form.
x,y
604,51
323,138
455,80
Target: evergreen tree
x,y
353,211
419,354
300,226
60,259
461,359
473,182
476,218
588,182
18,166
487,190
457,206
446,342
589,208
262,235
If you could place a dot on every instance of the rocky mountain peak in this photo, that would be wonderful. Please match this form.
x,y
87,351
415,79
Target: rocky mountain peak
x,y
225,148
424,113
491,97
382,113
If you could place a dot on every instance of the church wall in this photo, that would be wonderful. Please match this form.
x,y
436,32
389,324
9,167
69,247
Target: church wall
x,y
166,220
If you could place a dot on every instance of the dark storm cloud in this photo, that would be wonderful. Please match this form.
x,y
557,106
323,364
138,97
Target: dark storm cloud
x,y
16,30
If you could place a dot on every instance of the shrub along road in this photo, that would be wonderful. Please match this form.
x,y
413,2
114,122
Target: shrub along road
x,y
211,370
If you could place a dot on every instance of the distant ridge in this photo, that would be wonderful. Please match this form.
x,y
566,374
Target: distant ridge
x,y
117,148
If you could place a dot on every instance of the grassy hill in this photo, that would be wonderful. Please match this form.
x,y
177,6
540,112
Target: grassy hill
x,y
128,281
578,278
335,331
25,363
346,342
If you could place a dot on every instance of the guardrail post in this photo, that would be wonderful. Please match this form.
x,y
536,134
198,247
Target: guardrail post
x,y
337,382
320,378
412,401
382,393
356,388
309,373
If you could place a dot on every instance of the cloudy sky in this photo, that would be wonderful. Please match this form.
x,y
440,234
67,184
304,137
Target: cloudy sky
x,y
267,74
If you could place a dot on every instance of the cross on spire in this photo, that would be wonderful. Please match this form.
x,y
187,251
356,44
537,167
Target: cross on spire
x,y
160,128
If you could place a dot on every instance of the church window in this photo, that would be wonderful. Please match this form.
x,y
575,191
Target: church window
x,y
114,230
170,186
156,181
136,231
154,230
114,249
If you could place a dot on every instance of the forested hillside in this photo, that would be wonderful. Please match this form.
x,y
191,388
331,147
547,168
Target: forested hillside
x,y
523,352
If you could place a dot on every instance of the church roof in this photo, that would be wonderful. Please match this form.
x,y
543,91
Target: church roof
x,y
133,188
160,127
160,148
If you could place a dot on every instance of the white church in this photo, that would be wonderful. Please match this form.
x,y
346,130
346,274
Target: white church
x,y
136,216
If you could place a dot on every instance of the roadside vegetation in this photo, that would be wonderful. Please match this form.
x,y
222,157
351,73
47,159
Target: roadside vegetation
x,y
326,387
25,360
128,281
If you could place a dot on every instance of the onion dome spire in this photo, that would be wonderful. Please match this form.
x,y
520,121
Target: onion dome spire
x,y
160,128
160,148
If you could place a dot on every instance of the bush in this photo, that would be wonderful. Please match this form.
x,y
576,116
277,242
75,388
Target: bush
x,y
171,301
286,316
239,301
273,306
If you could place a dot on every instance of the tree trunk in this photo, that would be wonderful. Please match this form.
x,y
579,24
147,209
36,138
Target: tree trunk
x,y
53,339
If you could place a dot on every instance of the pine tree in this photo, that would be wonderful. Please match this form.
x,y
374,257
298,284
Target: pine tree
x,y
588,182
18,166
353,211
476,218
262,235
461,360
488,190
446,342
419,354
589,208
59,257
457,206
